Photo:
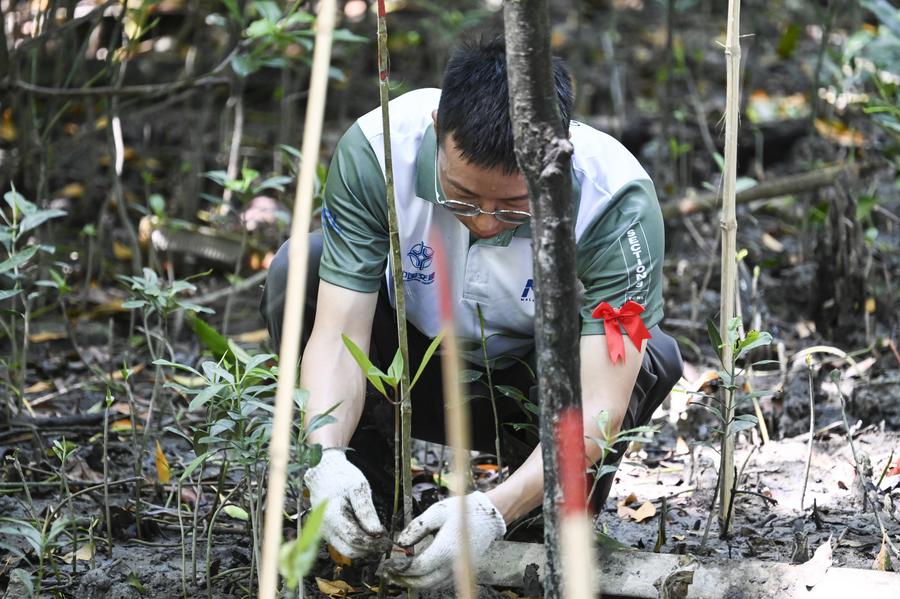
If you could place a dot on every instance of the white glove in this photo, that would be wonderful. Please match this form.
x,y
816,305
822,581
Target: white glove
x,y
433,568
350,523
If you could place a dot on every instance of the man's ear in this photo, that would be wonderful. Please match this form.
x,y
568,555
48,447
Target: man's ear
x,y
434,119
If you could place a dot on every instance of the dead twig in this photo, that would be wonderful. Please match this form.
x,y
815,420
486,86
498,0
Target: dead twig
x,y
781,186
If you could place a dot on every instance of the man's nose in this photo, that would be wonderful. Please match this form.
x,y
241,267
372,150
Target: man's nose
x,y
486,225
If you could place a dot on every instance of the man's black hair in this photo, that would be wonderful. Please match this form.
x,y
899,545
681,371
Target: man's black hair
x,y
474,104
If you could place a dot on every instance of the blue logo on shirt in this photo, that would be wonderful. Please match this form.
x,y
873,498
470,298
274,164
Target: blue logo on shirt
x,y
329,219
421,257
528,291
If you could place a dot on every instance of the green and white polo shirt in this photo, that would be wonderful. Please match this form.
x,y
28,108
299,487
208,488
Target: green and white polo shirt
x,y
618,233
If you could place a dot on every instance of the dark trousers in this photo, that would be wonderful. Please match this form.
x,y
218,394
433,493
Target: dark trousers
x,y
373,440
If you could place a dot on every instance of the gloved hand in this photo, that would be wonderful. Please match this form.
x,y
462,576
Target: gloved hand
x,y
433,568
350,523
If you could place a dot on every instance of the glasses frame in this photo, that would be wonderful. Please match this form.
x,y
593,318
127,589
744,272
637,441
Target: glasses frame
x,y
460,208
511,217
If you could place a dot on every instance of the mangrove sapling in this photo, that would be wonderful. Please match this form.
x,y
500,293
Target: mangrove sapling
x,y
490,385
236,427
106,405
62,450
733,349
607,442
728,300
22,218
392,380
159,298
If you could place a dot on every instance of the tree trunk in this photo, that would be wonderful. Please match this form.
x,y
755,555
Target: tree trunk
x,y
544,155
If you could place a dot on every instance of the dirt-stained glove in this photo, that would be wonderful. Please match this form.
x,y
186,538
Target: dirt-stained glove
x,y
433,568
350,523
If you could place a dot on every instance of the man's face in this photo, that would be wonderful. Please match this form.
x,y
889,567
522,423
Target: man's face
x,y
489,189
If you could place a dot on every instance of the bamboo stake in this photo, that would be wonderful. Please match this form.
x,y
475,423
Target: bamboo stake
x,y
457,423
279,448
396,269
729,248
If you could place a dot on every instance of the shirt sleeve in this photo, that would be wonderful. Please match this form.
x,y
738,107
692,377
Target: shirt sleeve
x,y
620,256
354,217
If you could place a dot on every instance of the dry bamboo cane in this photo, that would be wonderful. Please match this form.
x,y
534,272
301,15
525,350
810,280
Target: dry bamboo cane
x,y
457,423
396,270
729,249
279,448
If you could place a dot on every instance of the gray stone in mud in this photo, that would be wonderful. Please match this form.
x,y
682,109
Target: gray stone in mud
x,y
18,586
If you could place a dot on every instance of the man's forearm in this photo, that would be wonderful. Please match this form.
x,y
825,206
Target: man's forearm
x,y
333,380
605,387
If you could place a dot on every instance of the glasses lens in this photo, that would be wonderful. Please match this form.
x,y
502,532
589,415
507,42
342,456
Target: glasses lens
x,y
461,208
513,217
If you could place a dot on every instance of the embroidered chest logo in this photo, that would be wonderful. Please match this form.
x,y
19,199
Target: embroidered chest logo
x,y
528,291
421,256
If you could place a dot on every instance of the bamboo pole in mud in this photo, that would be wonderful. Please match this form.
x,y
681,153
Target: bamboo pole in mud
x,y
457,422
396,269
279,448
729,251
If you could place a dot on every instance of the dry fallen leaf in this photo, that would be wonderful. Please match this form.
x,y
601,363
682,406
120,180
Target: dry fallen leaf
x,y
124,426
45,336
162,466
39,387
647,510
334,588
84,553
628,500
257,336
338,557
883,559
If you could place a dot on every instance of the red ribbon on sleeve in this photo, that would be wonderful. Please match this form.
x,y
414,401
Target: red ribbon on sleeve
x,y
629,316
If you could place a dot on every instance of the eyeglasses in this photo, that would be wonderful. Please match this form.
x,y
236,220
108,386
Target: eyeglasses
x,y
512,217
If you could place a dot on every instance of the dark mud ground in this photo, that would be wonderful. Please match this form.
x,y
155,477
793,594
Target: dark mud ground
x,y
677,465
769,523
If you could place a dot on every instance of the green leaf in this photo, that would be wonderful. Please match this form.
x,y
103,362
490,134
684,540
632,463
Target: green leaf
x,y
18,203
204,396
318,421
38,218
512,392
427,357
176,365
469,376
244,65
8,293
236,512
714,338
296,557
18,259
738,425
208,336
261,28
134,304
133,580
395,370
239,352
193,464
753,340
344,35
372,373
